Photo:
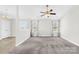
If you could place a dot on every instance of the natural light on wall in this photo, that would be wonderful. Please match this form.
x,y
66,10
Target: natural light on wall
x,y
5,27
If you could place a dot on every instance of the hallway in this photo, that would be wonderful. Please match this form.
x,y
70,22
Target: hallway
x,y
46,45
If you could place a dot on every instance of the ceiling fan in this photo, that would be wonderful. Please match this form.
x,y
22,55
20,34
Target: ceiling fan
x,y
48,12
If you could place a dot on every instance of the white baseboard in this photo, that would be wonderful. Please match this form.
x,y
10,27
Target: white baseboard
x,y
7,37
22,41
70,40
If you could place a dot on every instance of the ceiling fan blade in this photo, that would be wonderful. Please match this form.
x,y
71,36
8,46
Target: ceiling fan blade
x,y
42,12
53,13
51,10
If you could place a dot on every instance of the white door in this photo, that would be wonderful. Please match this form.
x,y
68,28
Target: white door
x,y
45,28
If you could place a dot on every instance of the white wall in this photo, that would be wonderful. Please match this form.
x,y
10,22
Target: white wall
x,y
22,30
13,27
10,11
70,25
45,27
5,28
27,12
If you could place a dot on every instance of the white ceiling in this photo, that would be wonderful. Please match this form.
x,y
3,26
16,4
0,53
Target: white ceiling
x,y
33,11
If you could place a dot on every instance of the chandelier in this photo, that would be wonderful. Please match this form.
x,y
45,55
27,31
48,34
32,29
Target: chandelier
x,y
48,12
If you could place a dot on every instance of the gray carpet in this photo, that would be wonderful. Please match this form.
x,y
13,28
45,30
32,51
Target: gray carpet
x,y
46,45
